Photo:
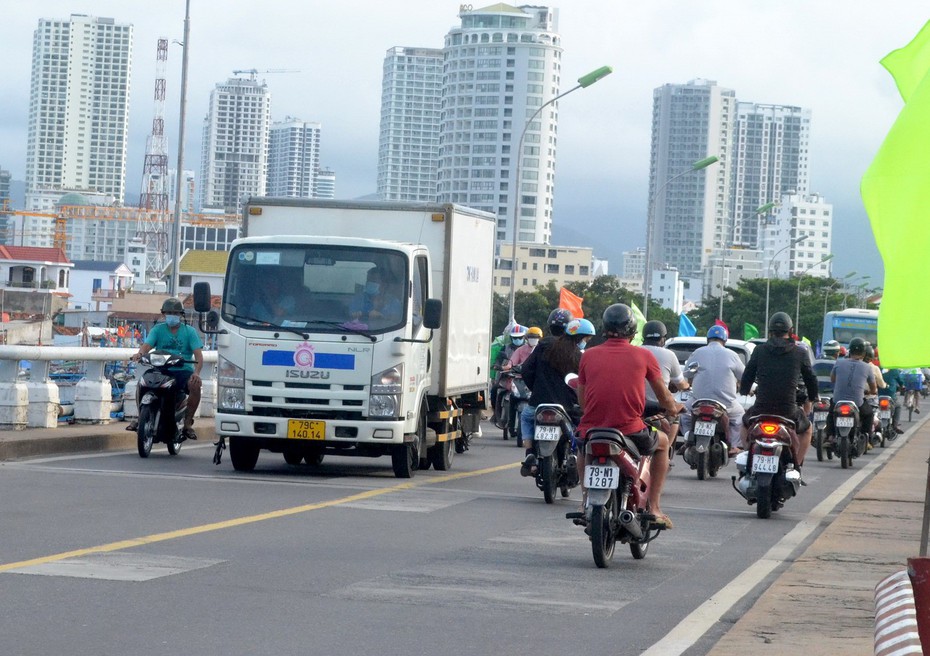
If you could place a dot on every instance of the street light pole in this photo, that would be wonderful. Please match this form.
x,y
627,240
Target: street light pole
x,y
833,286
176,234
797,307
723,284
583,82
647,277
768,274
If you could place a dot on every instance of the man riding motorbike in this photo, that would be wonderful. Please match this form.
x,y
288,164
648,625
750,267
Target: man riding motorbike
x,y
717,376
654,334
515,336
775,367
544,373
831,350
852,378
612,395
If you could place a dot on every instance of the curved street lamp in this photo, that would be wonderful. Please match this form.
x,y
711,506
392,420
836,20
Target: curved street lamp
x,y
768,273
696,166
583,82
797,307
836,283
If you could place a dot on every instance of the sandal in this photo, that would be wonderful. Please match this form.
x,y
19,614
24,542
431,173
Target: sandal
x,y
189,434
132,426
662,521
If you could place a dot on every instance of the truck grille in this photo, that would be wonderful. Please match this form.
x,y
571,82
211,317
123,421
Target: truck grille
x,y
306,400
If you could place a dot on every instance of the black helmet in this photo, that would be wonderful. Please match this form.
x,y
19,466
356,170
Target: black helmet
x,y
557,321
619,320
172,305
780,323
857,346
869,352
654,331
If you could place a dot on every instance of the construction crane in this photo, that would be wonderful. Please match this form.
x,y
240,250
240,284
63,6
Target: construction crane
x,y
254,73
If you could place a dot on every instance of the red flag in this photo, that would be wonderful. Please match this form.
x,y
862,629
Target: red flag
x,y
718,322
571,302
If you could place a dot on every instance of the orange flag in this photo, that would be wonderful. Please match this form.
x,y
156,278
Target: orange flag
x,y
570,302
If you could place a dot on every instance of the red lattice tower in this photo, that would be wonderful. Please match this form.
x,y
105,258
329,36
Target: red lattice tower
x,y
153,226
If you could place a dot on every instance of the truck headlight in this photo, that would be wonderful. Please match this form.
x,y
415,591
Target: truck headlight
x,y
386,388
230,385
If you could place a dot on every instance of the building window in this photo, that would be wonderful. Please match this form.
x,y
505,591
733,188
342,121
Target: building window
x,y
569,269
552,268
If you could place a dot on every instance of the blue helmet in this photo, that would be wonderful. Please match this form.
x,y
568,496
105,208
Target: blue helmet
x,y
717,332
580,327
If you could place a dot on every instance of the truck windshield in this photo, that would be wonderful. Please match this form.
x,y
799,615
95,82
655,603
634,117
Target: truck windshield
x,y
316,288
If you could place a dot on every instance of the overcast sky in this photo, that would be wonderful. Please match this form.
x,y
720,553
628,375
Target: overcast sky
x,y
818,54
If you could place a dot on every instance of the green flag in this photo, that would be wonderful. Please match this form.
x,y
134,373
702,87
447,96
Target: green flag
x,y
750,331
640,324
897,197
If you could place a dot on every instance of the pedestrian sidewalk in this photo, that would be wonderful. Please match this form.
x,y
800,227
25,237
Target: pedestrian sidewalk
x,y
81,438
823,604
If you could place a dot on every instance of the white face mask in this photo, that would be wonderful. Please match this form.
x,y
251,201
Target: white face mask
x,y
532,341
581,345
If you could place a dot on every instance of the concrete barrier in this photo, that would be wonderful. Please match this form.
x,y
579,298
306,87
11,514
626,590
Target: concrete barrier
x,y
896,617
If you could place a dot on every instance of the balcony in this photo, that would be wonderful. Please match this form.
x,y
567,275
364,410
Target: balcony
x,y
107,294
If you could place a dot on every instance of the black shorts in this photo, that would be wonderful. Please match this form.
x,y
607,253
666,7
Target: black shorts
x,y
801,421
182,377
645,440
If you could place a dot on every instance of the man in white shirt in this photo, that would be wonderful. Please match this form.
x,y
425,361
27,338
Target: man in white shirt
x,y
654,334
718,373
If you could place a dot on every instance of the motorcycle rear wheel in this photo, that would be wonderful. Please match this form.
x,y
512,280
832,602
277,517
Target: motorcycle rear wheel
x,y
818,442
639,549
603,539
842,450
702,466
547,474
145,433
764,501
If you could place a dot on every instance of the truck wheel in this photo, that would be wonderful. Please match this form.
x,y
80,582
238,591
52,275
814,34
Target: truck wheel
x,y
314,458
293,457
441,454
405,458
243,455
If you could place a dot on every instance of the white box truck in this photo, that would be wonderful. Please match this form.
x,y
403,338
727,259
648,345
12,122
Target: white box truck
x,y
353,328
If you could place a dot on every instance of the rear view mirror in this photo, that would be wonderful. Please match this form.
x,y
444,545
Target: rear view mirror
x,y
202,296
432,313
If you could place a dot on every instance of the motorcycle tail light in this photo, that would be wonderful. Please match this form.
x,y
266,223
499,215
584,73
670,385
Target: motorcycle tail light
x,y
845,410
884,403
547,417
705,410
769,428
600,449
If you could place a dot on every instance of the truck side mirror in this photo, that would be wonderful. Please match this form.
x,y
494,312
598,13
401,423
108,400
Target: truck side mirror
x,y
212,321
432,313
202,296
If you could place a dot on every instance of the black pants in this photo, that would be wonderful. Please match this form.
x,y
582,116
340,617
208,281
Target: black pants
x,y
866,417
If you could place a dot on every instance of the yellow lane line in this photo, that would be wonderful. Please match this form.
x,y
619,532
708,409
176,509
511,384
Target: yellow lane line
x,y
242,521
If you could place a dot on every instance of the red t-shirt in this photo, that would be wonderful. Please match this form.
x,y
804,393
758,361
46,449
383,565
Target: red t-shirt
x,y
614,396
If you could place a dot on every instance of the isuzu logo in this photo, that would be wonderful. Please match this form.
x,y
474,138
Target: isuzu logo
x,y
304,373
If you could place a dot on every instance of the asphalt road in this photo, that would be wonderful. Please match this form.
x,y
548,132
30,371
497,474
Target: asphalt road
x,y
111,554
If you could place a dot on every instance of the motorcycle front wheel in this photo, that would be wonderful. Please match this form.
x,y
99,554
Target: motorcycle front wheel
x,y
174,447
603,539
145,433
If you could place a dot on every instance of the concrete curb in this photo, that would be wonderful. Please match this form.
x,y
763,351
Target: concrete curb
x,y
896,617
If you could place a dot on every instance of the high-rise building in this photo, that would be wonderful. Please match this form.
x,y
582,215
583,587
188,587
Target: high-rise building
x,y
78,108
768,158
689,216
188,189
7,221
809,216
293,158
499,67
234,155
408,145
325,186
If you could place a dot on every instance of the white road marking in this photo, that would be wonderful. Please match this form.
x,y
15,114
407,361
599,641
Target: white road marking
x,y
118,566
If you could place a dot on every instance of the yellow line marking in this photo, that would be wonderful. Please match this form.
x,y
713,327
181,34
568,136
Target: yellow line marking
x,y
242,521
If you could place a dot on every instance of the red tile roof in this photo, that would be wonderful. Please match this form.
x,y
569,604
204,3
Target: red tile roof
x,y
33,254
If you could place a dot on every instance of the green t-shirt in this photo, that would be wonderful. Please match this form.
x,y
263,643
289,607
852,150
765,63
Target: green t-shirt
x,y
184,343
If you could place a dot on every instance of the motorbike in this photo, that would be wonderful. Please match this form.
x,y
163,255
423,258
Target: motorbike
x,y
162,406
706,449
617,480
885,414
512,404
849,441
556,466
767,475
821,410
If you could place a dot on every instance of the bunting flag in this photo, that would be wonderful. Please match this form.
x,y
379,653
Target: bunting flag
x,y
685,327
750,331
896,196
571,302
718,322
640,324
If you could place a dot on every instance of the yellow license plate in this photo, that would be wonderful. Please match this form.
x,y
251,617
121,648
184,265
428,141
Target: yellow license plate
x,y
304,429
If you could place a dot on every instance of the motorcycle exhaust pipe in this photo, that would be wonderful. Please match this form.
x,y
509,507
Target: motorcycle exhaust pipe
x,y
632,526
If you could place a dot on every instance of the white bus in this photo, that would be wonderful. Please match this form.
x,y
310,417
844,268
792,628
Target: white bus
x,y
843,325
